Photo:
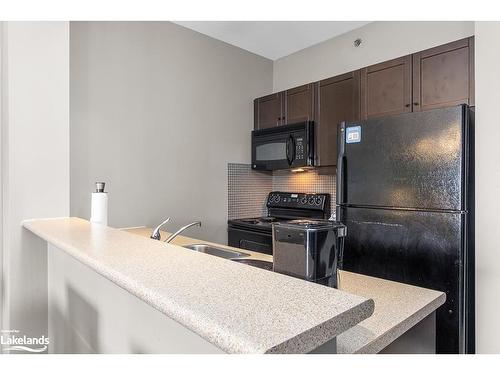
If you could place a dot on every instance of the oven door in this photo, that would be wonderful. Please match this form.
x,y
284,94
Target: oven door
x,y
249,240
283,147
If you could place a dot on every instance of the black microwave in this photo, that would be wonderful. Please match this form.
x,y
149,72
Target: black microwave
x,y
283,147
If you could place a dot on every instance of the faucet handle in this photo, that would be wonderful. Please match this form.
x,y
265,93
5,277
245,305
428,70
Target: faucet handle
x,y
155,235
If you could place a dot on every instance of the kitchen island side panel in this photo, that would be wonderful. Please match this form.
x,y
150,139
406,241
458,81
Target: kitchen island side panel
x,y
90,314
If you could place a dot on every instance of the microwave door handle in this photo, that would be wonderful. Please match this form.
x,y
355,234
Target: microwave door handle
x,y
287,149
292,156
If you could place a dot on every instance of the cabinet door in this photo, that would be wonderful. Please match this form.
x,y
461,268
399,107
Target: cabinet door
x,y
338,100
299,104
444,76
268,111
386,88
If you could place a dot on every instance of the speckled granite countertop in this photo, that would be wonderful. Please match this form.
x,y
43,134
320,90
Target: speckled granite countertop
x,y
398,307
238,308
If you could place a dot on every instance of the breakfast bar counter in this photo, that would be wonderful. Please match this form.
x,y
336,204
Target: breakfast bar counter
x,y
236,308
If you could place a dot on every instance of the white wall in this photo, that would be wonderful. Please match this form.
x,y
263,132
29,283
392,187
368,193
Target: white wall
x,y
381,41
487,186
35,161
157,112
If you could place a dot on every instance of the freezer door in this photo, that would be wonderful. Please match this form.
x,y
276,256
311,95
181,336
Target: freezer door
x,y
412,160
413,247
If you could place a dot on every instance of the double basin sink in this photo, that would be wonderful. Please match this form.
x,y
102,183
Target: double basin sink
x,y
235,256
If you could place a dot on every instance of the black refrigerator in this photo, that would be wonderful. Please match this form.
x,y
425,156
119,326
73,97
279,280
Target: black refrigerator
x,y
405,191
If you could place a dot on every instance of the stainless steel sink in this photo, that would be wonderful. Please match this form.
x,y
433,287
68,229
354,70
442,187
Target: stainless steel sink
x,y
264,264
216,251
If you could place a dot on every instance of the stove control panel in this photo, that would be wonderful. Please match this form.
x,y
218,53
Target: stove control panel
x,y
277,199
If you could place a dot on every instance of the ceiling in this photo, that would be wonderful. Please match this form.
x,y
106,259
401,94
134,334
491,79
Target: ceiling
x,y
272,39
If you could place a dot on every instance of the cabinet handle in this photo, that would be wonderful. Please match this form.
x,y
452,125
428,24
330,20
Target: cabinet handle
x,y
416,103
407,105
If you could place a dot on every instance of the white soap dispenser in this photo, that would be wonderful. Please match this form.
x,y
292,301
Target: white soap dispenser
x,y
99,206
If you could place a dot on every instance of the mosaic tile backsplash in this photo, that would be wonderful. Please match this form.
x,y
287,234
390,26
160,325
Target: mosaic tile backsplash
x,y
248,189
305,182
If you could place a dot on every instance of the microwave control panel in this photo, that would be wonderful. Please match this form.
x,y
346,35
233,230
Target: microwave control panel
x,y
299,149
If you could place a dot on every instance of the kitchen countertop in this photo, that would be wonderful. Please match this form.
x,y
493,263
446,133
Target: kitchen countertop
x,y
238,308
398,307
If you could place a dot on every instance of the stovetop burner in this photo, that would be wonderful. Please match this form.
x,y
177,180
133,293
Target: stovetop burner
x,y
258,220
262,223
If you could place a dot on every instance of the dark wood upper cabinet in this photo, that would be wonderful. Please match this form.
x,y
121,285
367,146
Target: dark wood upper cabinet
x,y
285,107
268,111
386,88
299,104
338,100
438,77
444,76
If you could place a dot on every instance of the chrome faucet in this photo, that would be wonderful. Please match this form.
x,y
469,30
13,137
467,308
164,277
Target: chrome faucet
x,y
155,235
172,236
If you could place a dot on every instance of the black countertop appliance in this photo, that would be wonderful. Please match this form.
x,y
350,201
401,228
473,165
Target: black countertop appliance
x,y
309,249
405,191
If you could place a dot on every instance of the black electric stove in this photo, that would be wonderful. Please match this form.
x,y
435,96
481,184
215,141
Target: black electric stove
x,y
255,233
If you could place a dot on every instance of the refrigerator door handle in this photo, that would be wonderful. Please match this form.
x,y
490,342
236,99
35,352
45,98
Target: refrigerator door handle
x,y
341,188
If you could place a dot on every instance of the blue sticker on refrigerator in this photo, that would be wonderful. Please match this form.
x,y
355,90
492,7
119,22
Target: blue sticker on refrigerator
x,y
353,134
